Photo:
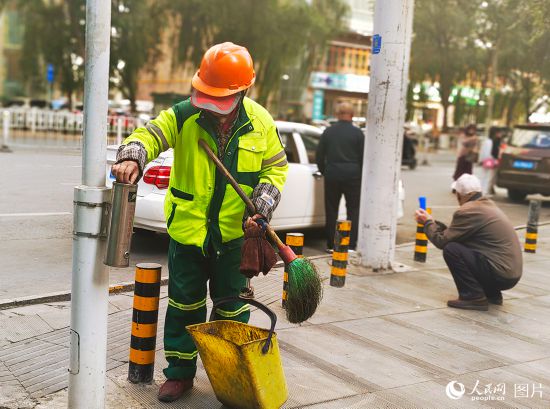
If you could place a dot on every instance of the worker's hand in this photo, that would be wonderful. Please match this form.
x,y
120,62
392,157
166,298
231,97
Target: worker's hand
x,y
252,220
125,172
422,216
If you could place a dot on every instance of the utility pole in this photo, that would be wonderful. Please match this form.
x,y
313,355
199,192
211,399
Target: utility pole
x,y
90,283
385,119
492,85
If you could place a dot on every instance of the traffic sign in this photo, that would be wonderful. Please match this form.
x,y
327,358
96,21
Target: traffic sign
x,y
49,73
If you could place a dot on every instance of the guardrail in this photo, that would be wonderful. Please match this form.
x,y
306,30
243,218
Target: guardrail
x,y
47,127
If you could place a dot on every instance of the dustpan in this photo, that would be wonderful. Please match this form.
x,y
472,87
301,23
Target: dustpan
x,y
242,362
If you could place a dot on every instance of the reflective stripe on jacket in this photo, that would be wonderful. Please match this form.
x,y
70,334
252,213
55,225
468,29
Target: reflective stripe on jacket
x,y
200,205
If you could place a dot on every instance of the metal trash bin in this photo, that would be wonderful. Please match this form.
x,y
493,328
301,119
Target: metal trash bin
x,y
242,362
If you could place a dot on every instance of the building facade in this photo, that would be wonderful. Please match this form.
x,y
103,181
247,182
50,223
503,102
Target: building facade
x,y
343,73
11,43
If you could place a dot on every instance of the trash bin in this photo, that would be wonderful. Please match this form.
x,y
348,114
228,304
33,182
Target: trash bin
x,y
242,362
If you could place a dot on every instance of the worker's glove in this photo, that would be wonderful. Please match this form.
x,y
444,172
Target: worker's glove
x,y
257,255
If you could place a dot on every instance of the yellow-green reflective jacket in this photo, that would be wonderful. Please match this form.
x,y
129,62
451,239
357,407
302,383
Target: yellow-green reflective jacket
x,y
200,206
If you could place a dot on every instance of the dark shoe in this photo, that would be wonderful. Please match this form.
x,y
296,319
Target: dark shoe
x,y
479,304
495,300
173,389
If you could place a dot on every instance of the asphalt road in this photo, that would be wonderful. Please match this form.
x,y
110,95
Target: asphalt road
x,y
36,218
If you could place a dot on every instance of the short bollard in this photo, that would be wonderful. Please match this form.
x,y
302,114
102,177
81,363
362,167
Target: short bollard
x,y
296,242
340,253
5,131
144,323
531,234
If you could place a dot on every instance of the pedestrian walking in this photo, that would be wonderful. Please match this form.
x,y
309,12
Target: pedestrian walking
x,y
467,153
339,157
204,213
489,159
480,247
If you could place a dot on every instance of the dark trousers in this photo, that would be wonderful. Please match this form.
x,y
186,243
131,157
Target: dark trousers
x,y
473,275
189,272
334,189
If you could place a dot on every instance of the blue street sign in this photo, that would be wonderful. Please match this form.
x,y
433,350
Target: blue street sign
x,y
49,73
376,43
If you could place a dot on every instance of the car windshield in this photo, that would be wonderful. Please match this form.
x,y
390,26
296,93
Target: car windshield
x,y
531,138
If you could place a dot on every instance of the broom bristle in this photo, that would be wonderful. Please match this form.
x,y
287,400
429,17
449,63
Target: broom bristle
x,y
305,290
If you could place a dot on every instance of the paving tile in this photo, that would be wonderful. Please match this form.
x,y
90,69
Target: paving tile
x,y
122,301
17,328
513,383
430,395
55,362
406,285
54,375
415,343
475,334
30,355
514,325
362,401
378,368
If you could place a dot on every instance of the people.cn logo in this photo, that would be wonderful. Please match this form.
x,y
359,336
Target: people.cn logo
x,y
452,391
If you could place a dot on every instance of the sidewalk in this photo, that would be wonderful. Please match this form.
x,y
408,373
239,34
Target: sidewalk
x,y
382,341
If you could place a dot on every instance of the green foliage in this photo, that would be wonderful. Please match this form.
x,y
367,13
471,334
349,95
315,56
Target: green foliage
x,y
278,33
135,42
441,49
456,40
54,34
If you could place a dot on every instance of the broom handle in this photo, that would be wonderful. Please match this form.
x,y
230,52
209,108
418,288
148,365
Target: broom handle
x,y
249,205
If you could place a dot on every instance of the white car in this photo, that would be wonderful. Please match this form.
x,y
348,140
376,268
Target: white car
x,y
302,202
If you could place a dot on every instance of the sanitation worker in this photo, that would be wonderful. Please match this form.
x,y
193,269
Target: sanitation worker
x,y
204,214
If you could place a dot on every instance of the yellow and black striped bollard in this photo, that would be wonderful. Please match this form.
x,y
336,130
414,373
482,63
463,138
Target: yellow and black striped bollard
x,y
531,234
340,253
421,245
296,242
144,323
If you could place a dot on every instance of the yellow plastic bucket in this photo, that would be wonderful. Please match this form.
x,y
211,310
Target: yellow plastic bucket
x,y
242,362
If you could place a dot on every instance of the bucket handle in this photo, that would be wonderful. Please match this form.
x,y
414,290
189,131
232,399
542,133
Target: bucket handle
x,y
219,301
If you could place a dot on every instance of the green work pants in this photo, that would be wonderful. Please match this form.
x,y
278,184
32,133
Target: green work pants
x,y
189,271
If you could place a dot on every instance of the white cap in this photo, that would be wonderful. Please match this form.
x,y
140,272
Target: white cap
x,y
466,184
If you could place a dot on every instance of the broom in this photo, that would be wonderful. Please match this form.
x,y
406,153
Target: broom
x,y
305,288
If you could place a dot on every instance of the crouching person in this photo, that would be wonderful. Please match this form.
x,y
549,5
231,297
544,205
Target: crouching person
x,y
480,247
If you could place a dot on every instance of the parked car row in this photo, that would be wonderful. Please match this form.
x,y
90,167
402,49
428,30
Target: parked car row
x,y
302,203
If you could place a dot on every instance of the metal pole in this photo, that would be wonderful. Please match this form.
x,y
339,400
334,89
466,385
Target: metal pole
x,y
385,119
491,98
90,284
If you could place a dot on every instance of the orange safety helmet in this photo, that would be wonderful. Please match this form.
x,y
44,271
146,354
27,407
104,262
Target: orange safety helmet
x,y
225,69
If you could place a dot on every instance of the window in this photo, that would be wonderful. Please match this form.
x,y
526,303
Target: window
x,y
311,140
531,138
290,147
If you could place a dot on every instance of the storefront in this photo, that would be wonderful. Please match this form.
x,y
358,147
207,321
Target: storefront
x,y
327,89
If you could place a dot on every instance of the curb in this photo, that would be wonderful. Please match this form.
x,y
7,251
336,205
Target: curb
x,y
113,289
65,295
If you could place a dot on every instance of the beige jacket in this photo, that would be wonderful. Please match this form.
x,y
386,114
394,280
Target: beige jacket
x,y
481,226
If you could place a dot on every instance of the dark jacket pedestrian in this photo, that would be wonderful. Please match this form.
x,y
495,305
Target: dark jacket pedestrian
x,y
340,159
467,153
480,247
